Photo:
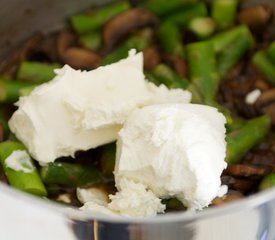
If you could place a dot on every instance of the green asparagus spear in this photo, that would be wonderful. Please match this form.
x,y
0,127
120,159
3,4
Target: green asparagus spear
x,y
265,65
26,90
271,52
69,174
243,139
184,15
165,75
202,69
225,38
170,39
26,177
224,12
164,7
139,42
83,23
202,27
228,57
10,90
267,182
91,41
36,72
107,159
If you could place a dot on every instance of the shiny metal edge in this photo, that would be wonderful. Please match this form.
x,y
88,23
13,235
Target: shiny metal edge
x,y
76,214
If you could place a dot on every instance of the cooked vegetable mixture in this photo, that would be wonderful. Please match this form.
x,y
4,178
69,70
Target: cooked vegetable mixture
x,y
222,52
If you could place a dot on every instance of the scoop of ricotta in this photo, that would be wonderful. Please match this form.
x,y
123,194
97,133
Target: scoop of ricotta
x,y
79,110
175,150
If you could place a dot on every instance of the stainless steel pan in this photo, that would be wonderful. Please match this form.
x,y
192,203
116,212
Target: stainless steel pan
x,y
30,218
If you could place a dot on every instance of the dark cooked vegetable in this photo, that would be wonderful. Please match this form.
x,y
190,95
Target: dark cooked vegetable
x,y
170,39
26,181
271,52
243,139
255,16
80,58
70,174
202,69
88,22
121,25
151,58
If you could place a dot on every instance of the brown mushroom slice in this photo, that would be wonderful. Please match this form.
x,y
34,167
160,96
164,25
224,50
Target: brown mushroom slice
x,y
65,40
270,111
266,98
238,184
255,16
247,170
151,58
120,25
178,64
229,197
79,58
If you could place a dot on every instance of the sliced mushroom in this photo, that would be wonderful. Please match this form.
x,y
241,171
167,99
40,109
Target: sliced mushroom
x,y
65,40
239,184
255,16
270,111
266,98
178,64
79,58
119,26
151,58
229,197
247,170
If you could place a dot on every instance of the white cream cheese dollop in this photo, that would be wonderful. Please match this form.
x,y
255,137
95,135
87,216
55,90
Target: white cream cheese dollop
x,y
79,110
175,150
20,160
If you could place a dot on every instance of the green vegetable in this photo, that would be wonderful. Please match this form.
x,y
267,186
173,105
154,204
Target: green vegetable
x,y
231,55
107,159
202,27
265,65
202,69
165,75
267,182
26,90
70,174
271,52
223,39
169,36
26,181
83,23
164,7
36,72
91,41
183,16
10,90
243,139
139,42
224,12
